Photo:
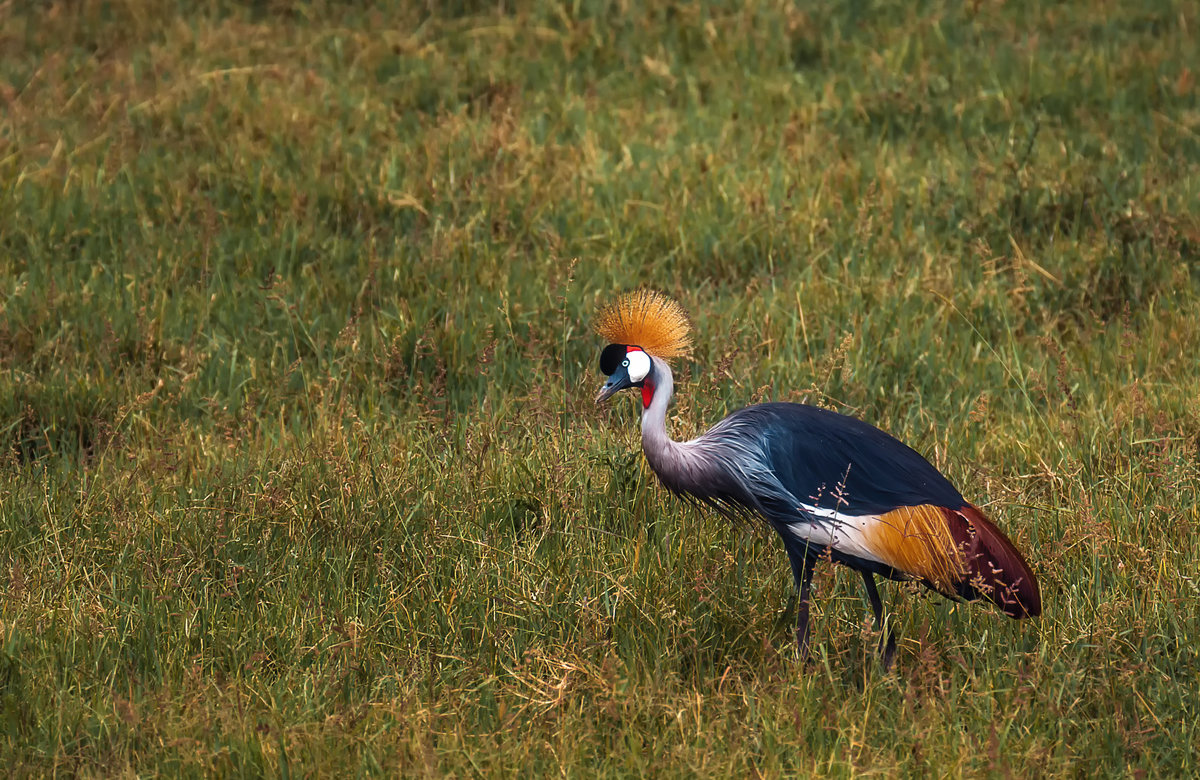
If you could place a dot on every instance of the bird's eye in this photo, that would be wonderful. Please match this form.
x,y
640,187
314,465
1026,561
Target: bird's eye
x,y
625,364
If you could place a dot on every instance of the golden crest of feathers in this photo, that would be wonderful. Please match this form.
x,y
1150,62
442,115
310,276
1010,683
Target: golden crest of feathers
x,y
647,319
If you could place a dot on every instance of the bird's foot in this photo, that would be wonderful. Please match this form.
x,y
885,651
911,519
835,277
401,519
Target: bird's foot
x,y
888,654
802,647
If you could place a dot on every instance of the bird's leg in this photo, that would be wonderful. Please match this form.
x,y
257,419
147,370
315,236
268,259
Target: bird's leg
x,y
802,572
887,642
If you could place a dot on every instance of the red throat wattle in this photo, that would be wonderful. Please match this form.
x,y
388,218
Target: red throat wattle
x,y
647,393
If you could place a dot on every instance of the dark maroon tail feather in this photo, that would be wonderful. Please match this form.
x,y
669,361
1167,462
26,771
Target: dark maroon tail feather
x,y
996,570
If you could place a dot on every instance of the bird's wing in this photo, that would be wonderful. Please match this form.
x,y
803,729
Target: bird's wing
x,y
879,503
834,462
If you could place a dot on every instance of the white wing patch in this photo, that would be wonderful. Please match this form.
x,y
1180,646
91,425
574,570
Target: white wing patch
x,y
847,534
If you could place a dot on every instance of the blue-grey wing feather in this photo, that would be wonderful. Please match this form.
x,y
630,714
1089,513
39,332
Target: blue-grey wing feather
x,y
773,458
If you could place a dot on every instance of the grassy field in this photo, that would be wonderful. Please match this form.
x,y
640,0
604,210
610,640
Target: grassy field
x,y
300,471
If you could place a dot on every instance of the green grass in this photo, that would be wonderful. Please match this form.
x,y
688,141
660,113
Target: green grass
x,y
300,469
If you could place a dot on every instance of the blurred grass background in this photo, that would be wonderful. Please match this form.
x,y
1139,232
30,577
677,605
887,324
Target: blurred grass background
x,y
299,469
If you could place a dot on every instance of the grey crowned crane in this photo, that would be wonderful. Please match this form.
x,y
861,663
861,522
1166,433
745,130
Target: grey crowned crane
x,y
830,485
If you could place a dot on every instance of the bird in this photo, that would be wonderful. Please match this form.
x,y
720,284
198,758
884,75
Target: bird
x,y
832,486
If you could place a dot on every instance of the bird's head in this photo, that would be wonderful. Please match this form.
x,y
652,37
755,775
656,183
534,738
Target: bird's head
x,y
638,325
625,366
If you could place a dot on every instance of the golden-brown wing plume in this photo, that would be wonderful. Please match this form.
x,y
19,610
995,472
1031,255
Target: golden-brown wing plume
x,y
647,319
956,552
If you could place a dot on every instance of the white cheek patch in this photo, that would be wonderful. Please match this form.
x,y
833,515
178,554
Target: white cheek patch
x,y
639,365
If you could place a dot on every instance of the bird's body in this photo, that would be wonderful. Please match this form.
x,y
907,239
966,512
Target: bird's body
x,y
830,485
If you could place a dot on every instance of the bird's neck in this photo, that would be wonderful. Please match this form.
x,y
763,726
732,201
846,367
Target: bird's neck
x,y
656,396
681,466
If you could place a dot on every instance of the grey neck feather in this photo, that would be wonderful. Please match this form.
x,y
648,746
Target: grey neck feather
x,y
725,464
675,463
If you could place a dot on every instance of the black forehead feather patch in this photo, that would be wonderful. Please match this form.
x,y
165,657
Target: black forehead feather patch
x,y
611,358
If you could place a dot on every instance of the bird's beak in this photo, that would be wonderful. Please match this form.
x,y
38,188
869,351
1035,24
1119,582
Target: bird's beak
x,y
615,384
